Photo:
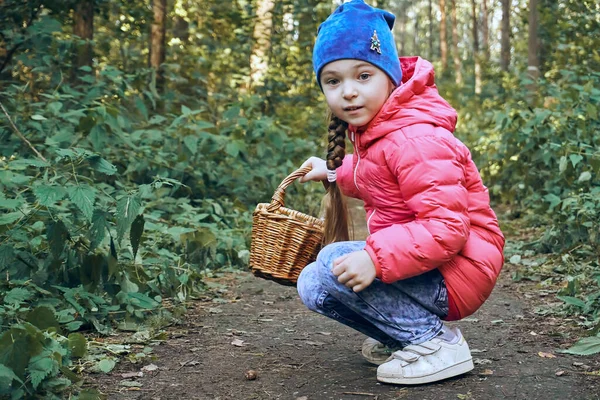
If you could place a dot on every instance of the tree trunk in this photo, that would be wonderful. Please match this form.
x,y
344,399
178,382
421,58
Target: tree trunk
x,y
83,27
402,28
533,64
476,56
416,49
443,39
505,39
158,41
485,31
430,20
457,62
262,42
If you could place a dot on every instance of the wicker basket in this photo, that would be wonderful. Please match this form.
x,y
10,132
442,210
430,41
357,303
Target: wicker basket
x,y
284,241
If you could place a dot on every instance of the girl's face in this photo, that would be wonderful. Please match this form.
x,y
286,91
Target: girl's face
x,y
355,90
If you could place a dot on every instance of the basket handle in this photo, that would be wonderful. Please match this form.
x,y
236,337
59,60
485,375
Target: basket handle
x,y
278,199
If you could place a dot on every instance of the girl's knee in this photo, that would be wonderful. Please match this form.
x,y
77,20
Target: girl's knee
x,y
332,251
309,286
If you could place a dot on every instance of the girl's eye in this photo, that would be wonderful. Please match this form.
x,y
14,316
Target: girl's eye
x,y
332,81
364,76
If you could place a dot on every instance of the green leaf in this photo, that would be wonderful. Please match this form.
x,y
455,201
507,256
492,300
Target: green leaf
x,y
191,142
17,296
7,256
235,147
83,196
98,229
101,165
9,204
9,218
23,163
49,195
584,347
128,208
40,367
139,103
135,234
185,110
43,317
7,376
574,301
106,365
77,345
57,235
38,117
575,159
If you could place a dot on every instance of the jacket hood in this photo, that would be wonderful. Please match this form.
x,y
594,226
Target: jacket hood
x,y
415,101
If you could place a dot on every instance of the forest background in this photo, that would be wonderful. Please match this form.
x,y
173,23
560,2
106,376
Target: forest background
x,y
136,138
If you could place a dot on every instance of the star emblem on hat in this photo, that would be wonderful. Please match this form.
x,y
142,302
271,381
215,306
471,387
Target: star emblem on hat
x,y
375,43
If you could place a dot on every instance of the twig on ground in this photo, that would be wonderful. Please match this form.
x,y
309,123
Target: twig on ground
x,y
360,393
21,135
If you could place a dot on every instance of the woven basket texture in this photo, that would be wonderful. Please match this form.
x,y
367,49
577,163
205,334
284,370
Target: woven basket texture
x,y
284,241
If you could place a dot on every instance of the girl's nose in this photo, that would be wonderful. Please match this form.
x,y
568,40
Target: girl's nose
x,y
349,92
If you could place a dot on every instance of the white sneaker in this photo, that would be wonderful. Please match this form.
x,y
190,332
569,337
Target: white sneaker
x,y
427,362
376,352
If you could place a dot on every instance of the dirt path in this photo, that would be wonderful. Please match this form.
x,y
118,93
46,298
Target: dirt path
x,y
262,326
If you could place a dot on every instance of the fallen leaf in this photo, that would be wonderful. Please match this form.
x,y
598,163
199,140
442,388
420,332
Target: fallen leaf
x,y
478,351
238,343
132,375
149,368
314,343
302,398
325,333
265,319
532,333
215,310
481,361
130,384
560,373
487,372
595,373
497,321
470,320
546,355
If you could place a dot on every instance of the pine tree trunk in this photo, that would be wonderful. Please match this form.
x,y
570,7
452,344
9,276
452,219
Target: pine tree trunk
x,y
533,64
457,62
402,29
443,38
430,17
158,42
262,42
416,45
505,38
485,31
476,56
83,27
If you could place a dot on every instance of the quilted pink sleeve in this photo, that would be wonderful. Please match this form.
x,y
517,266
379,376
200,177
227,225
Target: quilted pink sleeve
x,y
345,177
432,183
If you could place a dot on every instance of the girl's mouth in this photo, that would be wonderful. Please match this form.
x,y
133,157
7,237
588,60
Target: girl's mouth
x,y
352,108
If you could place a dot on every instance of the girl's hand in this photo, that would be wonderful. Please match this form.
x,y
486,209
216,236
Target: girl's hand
x,y
355,270
317,173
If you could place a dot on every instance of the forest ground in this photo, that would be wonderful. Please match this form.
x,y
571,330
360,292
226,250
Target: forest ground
x,y
249,323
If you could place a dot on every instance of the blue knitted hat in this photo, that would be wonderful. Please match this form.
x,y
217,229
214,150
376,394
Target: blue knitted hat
x,y
356,30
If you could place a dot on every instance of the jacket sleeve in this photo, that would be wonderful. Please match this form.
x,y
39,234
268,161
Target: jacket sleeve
x,y
345,177
432,183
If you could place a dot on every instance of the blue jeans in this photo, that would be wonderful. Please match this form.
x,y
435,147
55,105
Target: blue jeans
x,y
397,314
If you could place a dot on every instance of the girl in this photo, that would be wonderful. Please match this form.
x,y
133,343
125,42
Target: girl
x,y
434,248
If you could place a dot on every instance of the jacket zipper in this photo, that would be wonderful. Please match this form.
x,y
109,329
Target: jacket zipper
x,y
358,162
356,183
369,220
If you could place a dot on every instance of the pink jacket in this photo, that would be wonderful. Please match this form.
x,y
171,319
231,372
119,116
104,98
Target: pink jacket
x,y
426,204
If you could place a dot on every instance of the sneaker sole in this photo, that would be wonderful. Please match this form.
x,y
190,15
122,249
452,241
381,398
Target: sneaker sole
x,y
458,369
